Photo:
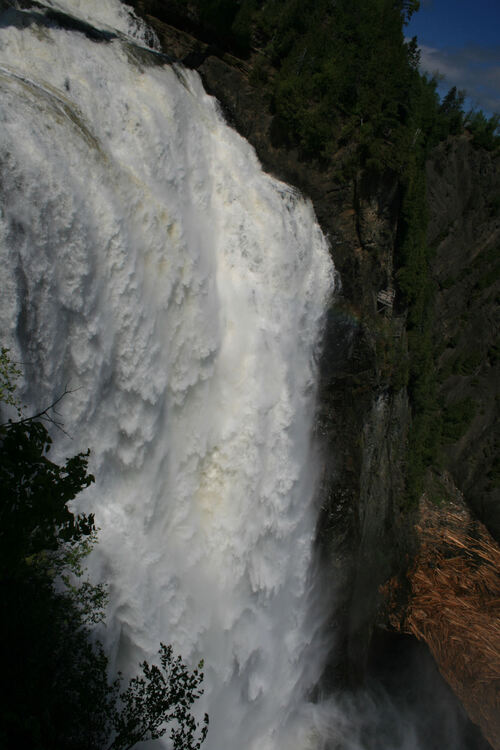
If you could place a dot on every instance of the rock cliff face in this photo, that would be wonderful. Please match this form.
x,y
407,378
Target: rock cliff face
x,y
364,534
464,226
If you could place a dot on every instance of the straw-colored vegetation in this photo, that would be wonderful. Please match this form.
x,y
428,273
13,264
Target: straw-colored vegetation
x,y
454,607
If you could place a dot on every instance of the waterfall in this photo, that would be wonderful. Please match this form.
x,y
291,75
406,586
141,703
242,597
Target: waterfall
x,y
152,267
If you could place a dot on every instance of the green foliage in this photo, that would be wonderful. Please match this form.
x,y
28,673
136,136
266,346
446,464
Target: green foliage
x,y
35,517
340,67
467,365
494,473
392,359
438,492
59,695
219,14
344,73
451,115
56,678
456,419
494,354
485,131
414,281
162,695
494,204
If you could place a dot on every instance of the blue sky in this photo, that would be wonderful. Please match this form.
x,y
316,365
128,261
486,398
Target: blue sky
x,y
461,40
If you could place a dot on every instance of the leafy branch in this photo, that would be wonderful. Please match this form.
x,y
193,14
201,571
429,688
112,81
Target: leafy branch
x,y
159,697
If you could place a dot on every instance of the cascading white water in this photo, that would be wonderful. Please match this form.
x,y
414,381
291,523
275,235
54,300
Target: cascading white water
x,y
148,262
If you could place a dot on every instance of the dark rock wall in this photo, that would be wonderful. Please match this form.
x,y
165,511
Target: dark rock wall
x,y
464,226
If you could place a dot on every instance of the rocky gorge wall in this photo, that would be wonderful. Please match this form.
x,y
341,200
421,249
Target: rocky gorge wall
x,y
463,196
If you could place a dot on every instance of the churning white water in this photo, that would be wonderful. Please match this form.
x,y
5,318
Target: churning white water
x,y
149,263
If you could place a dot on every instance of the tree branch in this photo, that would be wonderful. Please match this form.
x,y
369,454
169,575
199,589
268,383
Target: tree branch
x,y
44,414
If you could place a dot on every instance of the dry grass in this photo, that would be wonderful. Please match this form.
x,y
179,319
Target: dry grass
x,y
455,608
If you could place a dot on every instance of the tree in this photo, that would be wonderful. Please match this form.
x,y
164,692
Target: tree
x,y
56,689
161,696
408,8
34,515
58,693
485,131
451,110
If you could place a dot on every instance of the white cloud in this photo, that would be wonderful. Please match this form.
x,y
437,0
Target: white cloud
x,y
473,68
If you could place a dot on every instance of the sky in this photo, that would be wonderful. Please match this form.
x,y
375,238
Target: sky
x,y
461,40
